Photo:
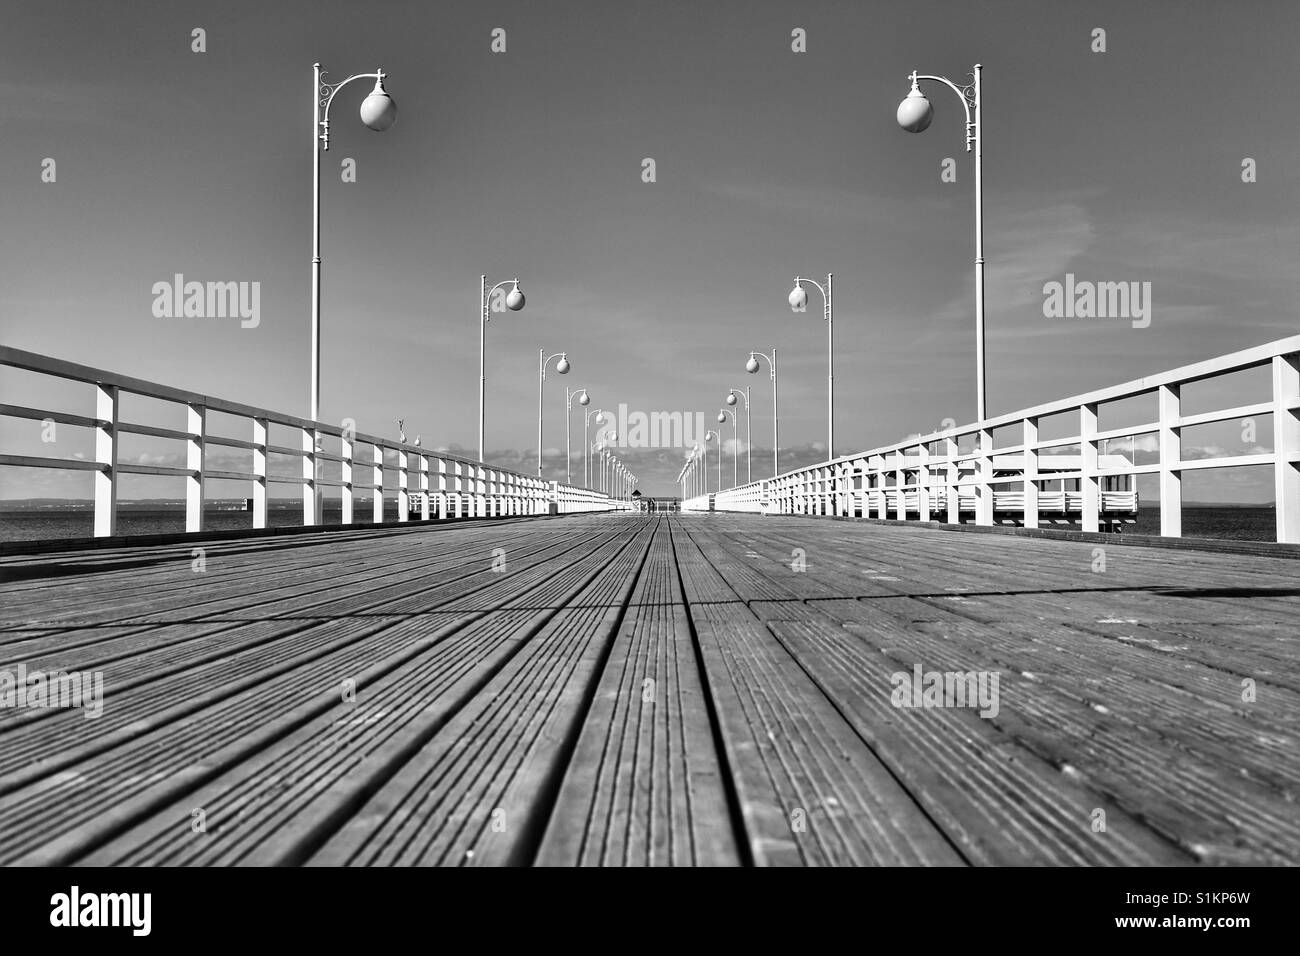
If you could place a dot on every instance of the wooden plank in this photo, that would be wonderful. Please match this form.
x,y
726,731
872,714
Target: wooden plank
x,y
475,794
191,742
503,667
1107,716
810,790
645,785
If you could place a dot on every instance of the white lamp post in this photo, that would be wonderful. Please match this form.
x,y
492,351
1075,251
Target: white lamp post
x,y
562,366
735,448
708,437
514,302
586,442
751,367
378,112
799,303
602,447
583,399
915,114
732,395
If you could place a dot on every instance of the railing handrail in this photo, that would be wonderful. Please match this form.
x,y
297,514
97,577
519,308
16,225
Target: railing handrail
x,y
927,476
1208,368
44,364
1254,357
480,489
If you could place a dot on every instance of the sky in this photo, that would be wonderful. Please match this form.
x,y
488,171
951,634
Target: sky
x,y
1122,165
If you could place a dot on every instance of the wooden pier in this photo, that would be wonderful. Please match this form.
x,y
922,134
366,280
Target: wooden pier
x,y
637,689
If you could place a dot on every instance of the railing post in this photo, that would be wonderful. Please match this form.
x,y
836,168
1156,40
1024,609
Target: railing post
x,y
424,487
952,494
442,487
106,407
1090,484
195,455
868,489
403,486
1171,455
923,482
900,484
347,453
261,429
458,479
1286,446
309,487
984,502
1030,440
377,476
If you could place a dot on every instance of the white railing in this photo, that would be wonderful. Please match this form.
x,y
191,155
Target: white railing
x,y
928,478
571,498
432,485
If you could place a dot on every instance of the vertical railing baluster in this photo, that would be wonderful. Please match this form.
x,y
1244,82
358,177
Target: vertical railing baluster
x,y
900,485
309,465
424,487
1090,484
875,482
377,476
261,431
1029,433
1171,455
984,502
923,482
106,410
1286,446
952,475
442,487
195,464
348,454
403,489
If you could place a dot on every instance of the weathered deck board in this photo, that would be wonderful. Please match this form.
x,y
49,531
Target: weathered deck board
x,y
624,690
644,786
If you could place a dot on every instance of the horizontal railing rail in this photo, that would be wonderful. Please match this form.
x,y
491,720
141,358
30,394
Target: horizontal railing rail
x,y
928,477
433,484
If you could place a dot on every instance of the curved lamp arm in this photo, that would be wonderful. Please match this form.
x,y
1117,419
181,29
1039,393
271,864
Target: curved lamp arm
x,y
547,361
487,296
798,280
327,93
571,394
967,95
741,393
770,366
